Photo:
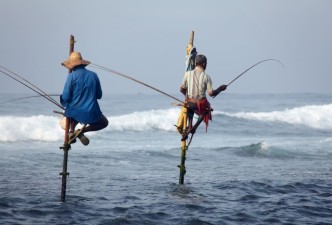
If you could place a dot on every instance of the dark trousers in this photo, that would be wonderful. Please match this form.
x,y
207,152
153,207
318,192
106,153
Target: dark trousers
x,y
99,125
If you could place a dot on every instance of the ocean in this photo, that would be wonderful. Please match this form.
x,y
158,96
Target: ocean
x,y
265,159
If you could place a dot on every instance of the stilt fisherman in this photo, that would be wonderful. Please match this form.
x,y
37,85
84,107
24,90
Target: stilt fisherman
x,y
79,97
194,86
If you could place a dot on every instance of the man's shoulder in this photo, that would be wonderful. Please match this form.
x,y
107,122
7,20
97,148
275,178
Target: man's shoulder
x,y
83,71
203,72
189,72
90,71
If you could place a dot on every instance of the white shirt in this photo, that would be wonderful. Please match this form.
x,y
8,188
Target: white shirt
x,y
197,82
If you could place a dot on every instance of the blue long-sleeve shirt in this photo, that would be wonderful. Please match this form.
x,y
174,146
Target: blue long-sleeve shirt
x,y
80,94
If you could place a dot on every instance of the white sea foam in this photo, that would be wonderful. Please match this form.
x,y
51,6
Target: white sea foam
x,y
42,128
146,120
46,128
314,116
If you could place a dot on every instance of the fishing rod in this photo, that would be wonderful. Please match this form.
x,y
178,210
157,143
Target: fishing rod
x,y
133,79
251,68
32,96
29,85
254,66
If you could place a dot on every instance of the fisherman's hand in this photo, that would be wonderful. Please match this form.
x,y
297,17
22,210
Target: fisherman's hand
x,y
218,90
222,87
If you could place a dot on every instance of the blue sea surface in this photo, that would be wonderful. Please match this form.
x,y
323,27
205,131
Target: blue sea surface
x,y
265,159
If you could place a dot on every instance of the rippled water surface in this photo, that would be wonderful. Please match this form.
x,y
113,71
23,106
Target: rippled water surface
x,y
268,164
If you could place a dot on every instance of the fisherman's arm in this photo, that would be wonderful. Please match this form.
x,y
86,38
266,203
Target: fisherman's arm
x,y
214,93
211,92
99,91
67,92
183,88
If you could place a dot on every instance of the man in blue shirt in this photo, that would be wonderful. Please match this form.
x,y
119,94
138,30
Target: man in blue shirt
x,y
79,97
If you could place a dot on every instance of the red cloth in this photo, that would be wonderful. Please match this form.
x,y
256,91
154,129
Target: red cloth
x,y
204,108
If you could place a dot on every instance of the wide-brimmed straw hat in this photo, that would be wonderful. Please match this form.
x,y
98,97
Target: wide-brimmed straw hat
x,y
75,59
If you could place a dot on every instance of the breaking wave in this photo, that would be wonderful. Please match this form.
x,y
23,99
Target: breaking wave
x,y
146,120
42,128
46,128
314,116
265,150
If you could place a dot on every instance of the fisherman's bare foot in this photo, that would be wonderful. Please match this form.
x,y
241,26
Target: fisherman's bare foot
x,y
82,137
71,136
184,137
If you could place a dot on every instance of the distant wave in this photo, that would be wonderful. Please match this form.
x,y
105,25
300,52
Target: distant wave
x,y
262,149
314,116
266,150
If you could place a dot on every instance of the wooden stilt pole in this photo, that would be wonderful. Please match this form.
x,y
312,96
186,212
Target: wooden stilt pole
x,y
191,39
66,145
184,146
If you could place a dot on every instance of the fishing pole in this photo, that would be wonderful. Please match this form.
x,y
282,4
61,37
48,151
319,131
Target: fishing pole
x,y
254,66
29,85
41,92
133,79
32,96
251,68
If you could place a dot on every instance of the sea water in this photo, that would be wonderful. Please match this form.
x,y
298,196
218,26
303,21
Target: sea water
x,y
265,159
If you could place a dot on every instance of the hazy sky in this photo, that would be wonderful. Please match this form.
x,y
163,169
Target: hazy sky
x,y
146,39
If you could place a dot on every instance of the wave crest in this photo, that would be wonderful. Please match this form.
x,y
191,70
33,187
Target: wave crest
x,y
42,128
47,128
314,116
146,120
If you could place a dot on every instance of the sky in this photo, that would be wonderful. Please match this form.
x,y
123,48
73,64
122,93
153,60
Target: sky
x,y
147,39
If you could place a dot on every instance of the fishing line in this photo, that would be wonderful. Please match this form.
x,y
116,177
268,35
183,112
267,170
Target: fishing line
x,y
133,79
29,85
